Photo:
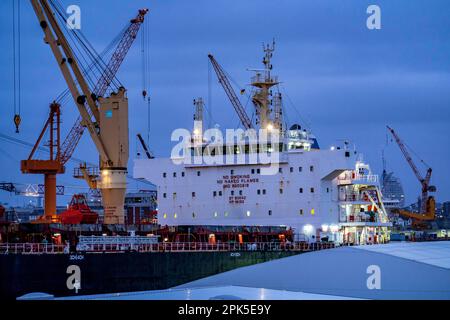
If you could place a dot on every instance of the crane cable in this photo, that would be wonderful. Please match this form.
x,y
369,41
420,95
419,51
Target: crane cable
x,y
145,59
16,64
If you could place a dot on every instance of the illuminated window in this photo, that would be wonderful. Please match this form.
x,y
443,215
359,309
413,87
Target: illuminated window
x,y
313,211
165,216
215,214
248,213
226,214
175,215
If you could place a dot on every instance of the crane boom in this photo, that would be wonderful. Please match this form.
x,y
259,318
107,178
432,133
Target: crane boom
x,y
230,93
144,146
70,70
76,132
426,202
406,154
105,117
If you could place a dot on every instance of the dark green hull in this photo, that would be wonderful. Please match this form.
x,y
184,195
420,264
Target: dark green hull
x,y
118,272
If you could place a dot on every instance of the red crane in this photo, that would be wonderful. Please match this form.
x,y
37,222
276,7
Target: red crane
x,y
61,153
427,202
230,93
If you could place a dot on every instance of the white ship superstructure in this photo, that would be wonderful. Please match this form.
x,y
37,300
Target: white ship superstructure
x,y
254,180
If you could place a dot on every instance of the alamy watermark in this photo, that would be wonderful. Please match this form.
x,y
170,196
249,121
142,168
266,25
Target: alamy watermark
x,y
73,21
374,20
74,280
374,280
263,147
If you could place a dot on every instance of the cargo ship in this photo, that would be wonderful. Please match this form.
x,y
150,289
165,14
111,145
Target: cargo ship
x,y
270,191
210,216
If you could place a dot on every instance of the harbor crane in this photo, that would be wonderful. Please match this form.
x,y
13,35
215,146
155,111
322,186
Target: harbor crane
x,y
106,118
428,206
223,80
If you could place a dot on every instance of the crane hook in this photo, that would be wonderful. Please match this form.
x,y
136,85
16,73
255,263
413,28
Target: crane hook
x,y
17,121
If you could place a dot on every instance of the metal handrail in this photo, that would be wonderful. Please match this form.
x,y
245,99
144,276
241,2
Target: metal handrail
x,y
42,248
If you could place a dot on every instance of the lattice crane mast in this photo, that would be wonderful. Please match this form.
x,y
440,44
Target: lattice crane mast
x,y
106,120
223,80
75,134
427,209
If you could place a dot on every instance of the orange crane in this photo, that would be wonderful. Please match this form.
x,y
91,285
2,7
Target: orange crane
x,y
230,93
428,205
90,117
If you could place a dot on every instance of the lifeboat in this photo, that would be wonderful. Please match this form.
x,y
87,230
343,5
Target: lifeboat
x,y
78,212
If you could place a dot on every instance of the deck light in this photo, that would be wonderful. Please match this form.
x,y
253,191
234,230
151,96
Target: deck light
x,y
308,228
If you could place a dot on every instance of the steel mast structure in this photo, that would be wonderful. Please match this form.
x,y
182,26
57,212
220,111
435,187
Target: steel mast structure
x,y
427,203
106,119
230,93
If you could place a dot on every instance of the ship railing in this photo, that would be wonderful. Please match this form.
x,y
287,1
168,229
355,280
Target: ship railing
x,y
39,248
347,178
32,248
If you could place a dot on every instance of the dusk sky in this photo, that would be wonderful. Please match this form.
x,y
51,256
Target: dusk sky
x,y
345,81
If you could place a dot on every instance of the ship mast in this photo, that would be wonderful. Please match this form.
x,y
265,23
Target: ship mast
x,y
263,81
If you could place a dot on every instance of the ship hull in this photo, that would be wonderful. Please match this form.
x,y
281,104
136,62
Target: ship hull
x,y
118,272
